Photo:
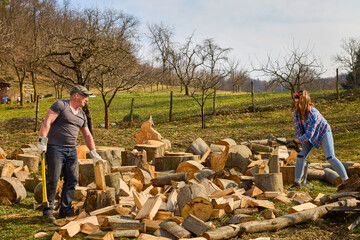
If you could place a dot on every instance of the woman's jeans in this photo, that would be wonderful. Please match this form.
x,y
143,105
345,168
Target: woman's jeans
x,y
327,145
61,159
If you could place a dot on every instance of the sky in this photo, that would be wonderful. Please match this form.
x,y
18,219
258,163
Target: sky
x,y
254,29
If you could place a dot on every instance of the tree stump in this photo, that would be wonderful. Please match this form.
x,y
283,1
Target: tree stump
x,y
152,151
166,163
274,164
96,199
86,171
238,158
112,180
269,181
111,154
194,200
12,189
32,161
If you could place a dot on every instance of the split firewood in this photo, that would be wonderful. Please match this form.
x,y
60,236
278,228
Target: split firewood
x,y
282,198
221,193
57,236
239,157
147,132
101,235
145,236
291,158
288,174
129,233
269,182
150,208
302,207
100,175
2,154
247,211
7,169
253,191
40,235
151,225
70,229
350,185
175,229
196,225
227,142
217,213
110,210
225,183
241,218
267,214
164,215
300,197
128,225
190,167
199,147
219,158
89,228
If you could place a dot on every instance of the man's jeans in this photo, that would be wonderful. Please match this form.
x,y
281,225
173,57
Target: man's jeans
x,y
61,159
327,145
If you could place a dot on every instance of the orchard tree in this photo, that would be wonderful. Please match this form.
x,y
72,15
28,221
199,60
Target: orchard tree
x,y
296,68
349,58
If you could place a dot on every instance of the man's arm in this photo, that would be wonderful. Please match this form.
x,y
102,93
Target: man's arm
x,y
49,119
89,140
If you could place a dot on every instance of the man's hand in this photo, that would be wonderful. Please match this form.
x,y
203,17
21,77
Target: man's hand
x,y
95,156
42,143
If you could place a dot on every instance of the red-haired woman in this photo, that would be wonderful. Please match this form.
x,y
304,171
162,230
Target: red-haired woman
x,y
312,130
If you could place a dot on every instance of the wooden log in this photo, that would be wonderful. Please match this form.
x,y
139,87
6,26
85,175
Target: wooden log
x,y
32,161
246,211
123,188
143,176
150,208
101,236
351,184
112,180
123,169
151,225
82,151
111,154
166,180
316,174
194,200
273,224
274,164
31,183
260,148
291,158
227,142
89,228
22,176
218,213
225,183
218,159
196,225
96,199
128,225
87,173
166,163
288,174
110,210
145,236
267,214
332,177
238,158
126,233
8,169
12,189
253,191
222,193
241,218
198,147
190,167
152,151
175,229
100,175
269,181
137,158
164,215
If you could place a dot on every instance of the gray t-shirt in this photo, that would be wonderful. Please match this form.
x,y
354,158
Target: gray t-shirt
x,y
65,129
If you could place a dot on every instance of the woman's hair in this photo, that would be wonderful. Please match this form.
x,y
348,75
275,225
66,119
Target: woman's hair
x,y
302,107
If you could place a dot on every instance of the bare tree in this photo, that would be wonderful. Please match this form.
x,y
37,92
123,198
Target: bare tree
x,y
214,68
184,61
349,58
238,77
161,39
295,69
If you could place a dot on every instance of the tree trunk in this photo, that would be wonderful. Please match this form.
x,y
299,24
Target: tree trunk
x,y
33,79
186,90
37,114
106,116
171,104
214,103
337,84
132,112
89,118
253,95
202,117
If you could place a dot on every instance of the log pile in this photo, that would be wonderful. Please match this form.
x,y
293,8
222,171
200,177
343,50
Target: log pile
x,y
150,192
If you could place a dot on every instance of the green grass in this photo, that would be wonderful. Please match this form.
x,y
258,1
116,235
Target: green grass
x,y
233,120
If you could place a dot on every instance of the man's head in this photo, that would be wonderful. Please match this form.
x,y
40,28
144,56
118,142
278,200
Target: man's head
x,y
79,94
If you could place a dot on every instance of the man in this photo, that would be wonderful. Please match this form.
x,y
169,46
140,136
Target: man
x,y
58,135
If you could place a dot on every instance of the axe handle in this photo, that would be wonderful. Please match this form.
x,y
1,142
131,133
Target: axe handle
x,y
43,176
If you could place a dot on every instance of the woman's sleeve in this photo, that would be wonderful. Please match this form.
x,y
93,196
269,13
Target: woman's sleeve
x,y
310,131
297,127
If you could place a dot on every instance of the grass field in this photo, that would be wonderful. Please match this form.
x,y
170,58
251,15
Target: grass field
x,y
233,120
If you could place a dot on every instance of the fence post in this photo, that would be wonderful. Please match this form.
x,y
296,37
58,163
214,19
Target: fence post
x,y
37,114
337,84
132,112
253,95
171,103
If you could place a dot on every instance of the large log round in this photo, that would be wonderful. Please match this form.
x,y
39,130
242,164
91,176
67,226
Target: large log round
x,y
194,200
269,181
32,161
12,189
238,158
96,199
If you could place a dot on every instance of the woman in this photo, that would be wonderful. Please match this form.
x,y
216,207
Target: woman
x,y
312,130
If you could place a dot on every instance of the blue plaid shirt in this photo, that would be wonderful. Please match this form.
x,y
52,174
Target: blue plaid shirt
x,y
313,129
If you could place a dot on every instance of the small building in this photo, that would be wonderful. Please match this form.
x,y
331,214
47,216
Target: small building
x,y
4,89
